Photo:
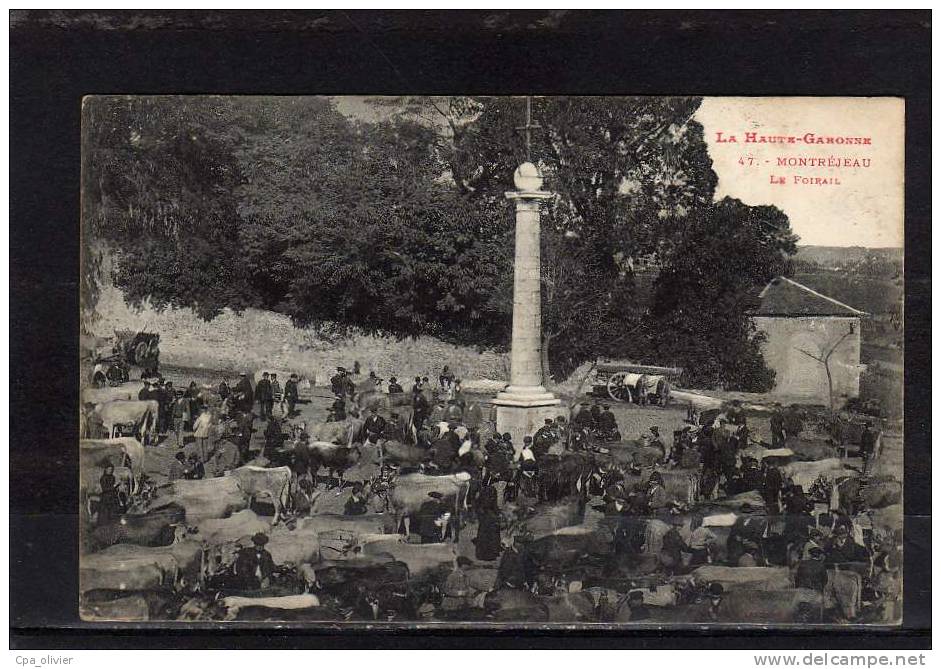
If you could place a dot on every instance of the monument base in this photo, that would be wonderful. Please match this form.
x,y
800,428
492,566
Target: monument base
x,y
521,417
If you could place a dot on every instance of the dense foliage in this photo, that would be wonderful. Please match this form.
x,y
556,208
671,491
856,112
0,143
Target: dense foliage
x,y
399,225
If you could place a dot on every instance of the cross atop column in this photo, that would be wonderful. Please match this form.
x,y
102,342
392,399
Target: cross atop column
x,y
529,126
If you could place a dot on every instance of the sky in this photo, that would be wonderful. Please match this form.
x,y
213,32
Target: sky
x,y
864,209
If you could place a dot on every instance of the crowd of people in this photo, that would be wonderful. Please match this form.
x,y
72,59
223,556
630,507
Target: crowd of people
x,y
652,528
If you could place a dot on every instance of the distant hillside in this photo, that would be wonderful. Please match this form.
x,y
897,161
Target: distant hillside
x,y
837,256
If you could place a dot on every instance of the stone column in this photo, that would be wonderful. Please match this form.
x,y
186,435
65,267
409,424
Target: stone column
x,y
523,406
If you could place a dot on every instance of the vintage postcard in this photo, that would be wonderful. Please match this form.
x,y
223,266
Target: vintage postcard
x,y
492,360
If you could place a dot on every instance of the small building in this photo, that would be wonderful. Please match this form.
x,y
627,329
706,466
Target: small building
x,y
804,329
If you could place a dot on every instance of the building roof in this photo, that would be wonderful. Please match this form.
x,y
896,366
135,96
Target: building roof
x,y
785,297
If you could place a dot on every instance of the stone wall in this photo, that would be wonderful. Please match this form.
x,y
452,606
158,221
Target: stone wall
x,y
798,375
259,339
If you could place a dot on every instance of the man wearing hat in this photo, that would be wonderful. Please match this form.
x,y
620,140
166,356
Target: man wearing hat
x,y
394,387
430,516
336,382
609,424
167,398
812,570
290,394
420,408
658,499
146,393
374,426
356,505
635,602
393,430
544,439
657,442
244,393
264,396
843,548
254,565
181,417
277,394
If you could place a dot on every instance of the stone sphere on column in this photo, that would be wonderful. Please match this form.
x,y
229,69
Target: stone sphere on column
x,y
527,178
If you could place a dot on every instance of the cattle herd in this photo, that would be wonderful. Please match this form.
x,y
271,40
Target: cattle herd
x,y
745,516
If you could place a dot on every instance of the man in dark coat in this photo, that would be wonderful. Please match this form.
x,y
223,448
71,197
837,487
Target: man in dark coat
x,y
657,441
374,426
583,417
867,446
773,485
609,425
444,451
290,394
244,394
429,515
274,438
356,504
709,455
499,458
167,399
420,408
224,390
812,572
793,422
777,427
394,387
728,452
265,397
544,439
487,543
394,430
595,414
842,549
244,422
254,565
337,385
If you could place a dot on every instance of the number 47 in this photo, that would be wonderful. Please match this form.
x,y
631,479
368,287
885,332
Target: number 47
x,y
746,160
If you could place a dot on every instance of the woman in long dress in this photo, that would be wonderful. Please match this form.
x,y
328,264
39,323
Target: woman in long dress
x,y
487,543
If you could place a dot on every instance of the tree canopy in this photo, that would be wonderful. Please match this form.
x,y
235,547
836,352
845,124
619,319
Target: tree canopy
x,y
399,226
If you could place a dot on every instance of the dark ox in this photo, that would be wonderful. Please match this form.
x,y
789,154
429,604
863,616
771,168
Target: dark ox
x,y
336,459
155,527
565,475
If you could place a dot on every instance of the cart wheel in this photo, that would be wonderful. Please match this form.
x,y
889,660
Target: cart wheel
x,y
618,390
99,381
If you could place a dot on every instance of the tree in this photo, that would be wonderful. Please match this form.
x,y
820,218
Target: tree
x,y
400,226
706,288
824,359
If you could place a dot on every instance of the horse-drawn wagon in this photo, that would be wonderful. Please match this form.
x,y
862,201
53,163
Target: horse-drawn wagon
x,y
637,384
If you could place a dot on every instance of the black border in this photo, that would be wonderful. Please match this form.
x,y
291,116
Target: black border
x,y
57,57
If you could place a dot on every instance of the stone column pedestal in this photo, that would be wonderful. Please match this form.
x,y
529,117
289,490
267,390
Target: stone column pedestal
x,y
525,404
